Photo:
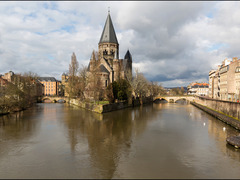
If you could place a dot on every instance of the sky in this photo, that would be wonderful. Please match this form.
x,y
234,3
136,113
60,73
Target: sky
x,y
171,42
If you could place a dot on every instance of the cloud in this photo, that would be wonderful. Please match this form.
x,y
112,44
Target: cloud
x,y
173,43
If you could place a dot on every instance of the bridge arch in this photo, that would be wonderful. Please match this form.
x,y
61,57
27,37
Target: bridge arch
x,y
48,100
61,100
174,99
160,98
54,99
182,98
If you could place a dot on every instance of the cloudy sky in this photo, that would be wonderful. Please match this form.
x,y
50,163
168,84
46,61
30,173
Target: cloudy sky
x,y
174,43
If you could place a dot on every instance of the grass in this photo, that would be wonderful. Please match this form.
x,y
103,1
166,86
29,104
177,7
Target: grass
x,y
98,102
102,102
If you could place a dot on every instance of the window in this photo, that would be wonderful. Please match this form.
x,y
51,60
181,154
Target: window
x,y
106,83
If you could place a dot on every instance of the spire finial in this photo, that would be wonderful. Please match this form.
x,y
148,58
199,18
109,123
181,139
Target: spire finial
x,y
108,10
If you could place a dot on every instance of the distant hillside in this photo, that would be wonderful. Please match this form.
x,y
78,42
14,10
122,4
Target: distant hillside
x,y
185,88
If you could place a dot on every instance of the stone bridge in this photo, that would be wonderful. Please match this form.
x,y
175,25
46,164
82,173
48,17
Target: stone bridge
x,y
173,99
54,99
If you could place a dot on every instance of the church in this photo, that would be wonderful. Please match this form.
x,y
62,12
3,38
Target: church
x,y
105,63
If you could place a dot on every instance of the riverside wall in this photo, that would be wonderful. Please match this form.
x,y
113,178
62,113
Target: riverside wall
x,y
226,119
228,108
103,108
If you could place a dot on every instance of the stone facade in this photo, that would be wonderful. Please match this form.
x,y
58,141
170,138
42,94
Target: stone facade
x,y
211,83
226,107
105,64
9,76
226,81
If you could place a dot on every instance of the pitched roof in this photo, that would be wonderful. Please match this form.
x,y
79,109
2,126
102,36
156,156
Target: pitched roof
x,y
200,85
103,69
51,79
108,34
88,68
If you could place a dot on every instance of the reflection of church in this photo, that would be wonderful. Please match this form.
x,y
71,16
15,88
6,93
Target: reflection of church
x,y
106,63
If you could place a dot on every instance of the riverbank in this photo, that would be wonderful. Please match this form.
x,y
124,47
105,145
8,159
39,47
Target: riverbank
x,y
221,116
16,109
104,108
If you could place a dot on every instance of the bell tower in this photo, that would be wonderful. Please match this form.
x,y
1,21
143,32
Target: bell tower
x,y
108,45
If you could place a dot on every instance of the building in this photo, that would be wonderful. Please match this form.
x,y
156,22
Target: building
x,y
9,76
36,88
223,72
216,86
199,89
3,82
226,80
211,83
50,86
105,64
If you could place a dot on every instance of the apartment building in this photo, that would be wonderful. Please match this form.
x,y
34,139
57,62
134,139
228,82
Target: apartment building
x,y
212,80
50,86
226,80
199,89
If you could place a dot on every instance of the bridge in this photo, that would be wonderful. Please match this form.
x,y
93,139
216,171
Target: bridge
x,y
173,99
54,99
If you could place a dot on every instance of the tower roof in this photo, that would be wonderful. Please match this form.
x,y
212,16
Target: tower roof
x,y
128,55
108,34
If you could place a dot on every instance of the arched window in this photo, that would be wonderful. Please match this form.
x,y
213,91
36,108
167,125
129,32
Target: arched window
x,y
105,52
106,83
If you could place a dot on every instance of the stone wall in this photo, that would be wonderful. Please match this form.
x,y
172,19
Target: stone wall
x,y
229,108
103,108
226,119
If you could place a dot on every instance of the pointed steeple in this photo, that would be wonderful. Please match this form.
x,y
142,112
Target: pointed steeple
x,y
108,34
93,57
128,56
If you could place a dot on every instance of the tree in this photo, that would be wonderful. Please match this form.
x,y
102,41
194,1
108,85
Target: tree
x,y
94,84
82,81
155,89
139,84
20,93
109,93
182,91
73,80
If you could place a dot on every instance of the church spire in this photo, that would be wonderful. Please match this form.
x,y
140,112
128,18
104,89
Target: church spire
x,y
108,34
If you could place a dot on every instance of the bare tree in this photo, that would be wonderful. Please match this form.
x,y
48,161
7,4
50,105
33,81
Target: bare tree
x,y
73,79
94,85
20,93
156,89
82,81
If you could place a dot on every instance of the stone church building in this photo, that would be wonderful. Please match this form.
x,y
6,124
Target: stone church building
x,y
105,63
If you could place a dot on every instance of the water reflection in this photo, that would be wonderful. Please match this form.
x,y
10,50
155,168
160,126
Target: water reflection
x,y
217,130
165,140
108,135
15,131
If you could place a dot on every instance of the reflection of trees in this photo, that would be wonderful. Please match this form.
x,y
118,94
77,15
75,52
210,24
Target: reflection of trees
x,y
16,127
108,135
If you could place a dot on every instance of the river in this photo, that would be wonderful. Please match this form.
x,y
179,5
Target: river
x,y
154,141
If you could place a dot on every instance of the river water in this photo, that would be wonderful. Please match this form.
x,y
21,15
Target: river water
x,y
153,141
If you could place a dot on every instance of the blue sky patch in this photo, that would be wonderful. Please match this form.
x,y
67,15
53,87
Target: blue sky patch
x,y
217,46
